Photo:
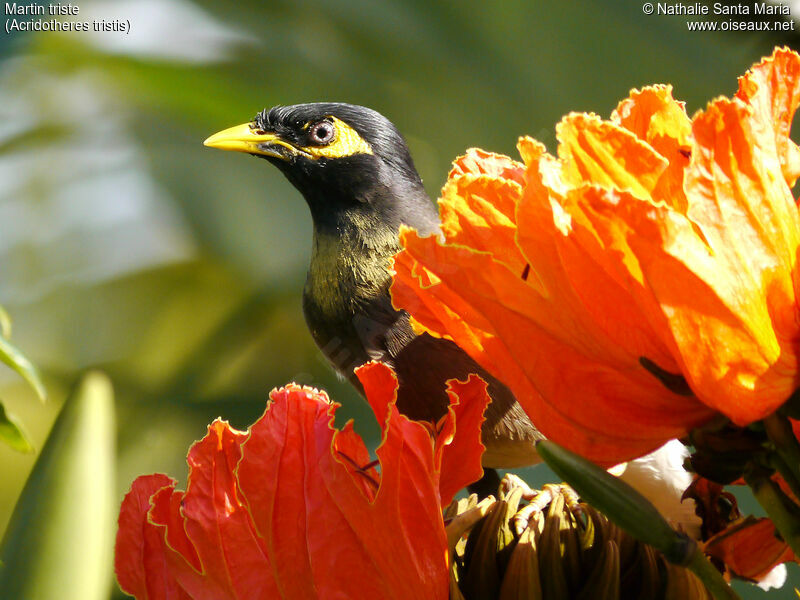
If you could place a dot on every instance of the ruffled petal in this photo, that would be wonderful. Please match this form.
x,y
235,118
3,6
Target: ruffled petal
x,y
653,115
458,453
772,88
600,153
294,508
320,525
141,559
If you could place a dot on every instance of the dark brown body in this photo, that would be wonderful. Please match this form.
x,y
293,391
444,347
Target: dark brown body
x,y
352,321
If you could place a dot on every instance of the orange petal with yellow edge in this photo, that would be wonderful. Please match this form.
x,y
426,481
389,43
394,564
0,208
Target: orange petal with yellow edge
x,y
653,115
772,88
750,548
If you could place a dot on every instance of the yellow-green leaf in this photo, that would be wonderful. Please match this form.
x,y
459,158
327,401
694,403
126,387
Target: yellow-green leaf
x,y
17,361
60,540
12,433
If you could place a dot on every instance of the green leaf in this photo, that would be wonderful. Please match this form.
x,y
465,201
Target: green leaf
x,y
15,359
60,540
12,434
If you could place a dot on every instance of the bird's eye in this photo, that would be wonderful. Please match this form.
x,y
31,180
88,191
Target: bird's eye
x,y
322,133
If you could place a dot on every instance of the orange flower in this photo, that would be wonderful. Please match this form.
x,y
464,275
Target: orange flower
x,y
639,283
750,549
295,509
746,547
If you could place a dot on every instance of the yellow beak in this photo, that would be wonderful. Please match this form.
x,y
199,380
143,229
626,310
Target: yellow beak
x,y
246,138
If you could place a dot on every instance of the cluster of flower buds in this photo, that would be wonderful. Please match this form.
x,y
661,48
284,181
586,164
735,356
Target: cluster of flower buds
x,y
548,544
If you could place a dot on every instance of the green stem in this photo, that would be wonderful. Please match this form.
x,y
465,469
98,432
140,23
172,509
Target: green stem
x,y
780,433
711,578
775,503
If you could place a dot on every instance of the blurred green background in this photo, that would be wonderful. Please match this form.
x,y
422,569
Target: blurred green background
x,y
127,246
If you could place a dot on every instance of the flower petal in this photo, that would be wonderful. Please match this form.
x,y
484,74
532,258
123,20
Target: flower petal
x,y
201,543
320,525
750,548
723,274
478,211
654,116
621,413
772,88
749,220
140,559
481,162
459,452
601,153
296,509
559,311
217,519
652,265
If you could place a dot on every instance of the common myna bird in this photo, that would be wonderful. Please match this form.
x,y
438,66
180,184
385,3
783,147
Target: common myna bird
x,y
356,173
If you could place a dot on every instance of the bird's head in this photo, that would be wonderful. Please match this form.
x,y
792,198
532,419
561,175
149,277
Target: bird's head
x,y
341,157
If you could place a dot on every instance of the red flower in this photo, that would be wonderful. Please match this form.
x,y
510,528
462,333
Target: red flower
x,y
639,283
293,508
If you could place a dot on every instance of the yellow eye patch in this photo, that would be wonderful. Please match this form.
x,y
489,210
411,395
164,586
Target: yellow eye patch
x,y
346,142
248,138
